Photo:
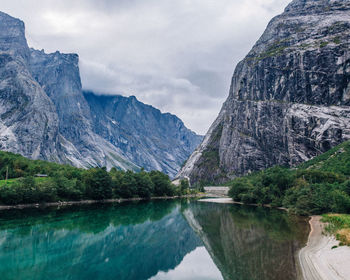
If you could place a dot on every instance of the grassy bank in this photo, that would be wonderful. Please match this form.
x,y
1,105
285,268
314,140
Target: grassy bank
x,y
321,185
339,225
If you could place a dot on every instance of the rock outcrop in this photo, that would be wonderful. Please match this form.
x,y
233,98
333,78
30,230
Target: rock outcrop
x,y
289,98
45,115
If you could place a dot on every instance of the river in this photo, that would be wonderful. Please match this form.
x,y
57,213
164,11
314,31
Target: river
x,y
169,239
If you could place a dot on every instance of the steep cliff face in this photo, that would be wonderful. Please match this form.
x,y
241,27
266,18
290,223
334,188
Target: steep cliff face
x,y
44,114
289,98
145,135
58,74
28,120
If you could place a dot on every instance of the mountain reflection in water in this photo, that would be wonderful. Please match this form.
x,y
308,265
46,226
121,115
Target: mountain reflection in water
x,y
149,240
249,243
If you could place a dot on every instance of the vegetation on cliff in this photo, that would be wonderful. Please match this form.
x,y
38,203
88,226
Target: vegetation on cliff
x,y
321,185
20,183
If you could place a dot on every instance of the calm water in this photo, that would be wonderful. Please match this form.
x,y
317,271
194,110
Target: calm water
x,y
150,240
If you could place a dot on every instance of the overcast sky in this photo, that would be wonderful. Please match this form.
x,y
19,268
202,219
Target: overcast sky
x,y
177,55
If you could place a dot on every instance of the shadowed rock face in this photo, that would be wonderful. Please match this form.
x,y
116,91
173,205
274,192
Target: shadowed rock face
x,y
289,98
45,115
248,243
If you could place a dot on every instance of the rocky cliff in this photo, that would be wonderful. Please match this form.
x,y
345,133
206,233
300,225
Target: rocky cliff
x,y
58,75
28,120
44,114
289,98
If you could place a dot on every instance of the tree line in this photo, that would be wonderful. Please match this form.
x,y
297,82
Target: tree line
x,y
64,182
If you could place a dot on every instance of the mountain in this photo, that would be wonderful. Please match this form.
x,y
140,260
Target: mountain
x,y
44,114
145,135
40,113
289,97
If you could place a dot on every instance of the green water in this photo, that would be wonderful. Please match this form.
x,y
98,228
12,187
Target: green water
x,y
150,240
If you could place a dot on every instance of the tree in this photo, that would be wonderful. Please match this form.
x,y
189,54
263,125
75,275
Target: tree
x,y
162,184
128,185
145,185
98,183
184,186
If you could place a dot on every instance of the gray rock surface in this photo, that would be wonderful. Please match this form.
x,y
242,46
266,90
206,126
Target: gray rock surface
x,y
45,115
289,98
28,120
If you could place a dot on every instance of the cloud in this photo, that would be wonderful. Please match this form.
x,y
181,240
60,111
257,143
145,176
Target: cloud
x,y
176,55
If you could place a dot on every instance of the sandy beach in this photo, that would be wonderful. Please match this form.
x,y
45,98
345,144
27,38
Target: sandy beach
x,y
318,260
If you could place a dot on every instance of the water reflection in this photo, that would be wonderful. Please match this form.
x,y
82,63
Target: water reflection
x,y
249,242
196,265
149,240
133,241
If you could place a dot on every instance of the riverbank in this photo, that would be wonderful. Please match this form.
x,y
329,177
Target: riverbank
x,y
82,202
318,261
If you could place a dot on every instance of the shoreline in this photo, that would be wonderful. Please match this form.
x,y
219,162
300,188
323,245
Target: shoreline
x,y
318,261
228,200
86,202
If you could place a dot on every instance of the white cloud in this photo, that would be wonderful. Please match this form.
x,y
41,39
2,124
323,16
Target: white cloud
x,y
176,55
195,265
